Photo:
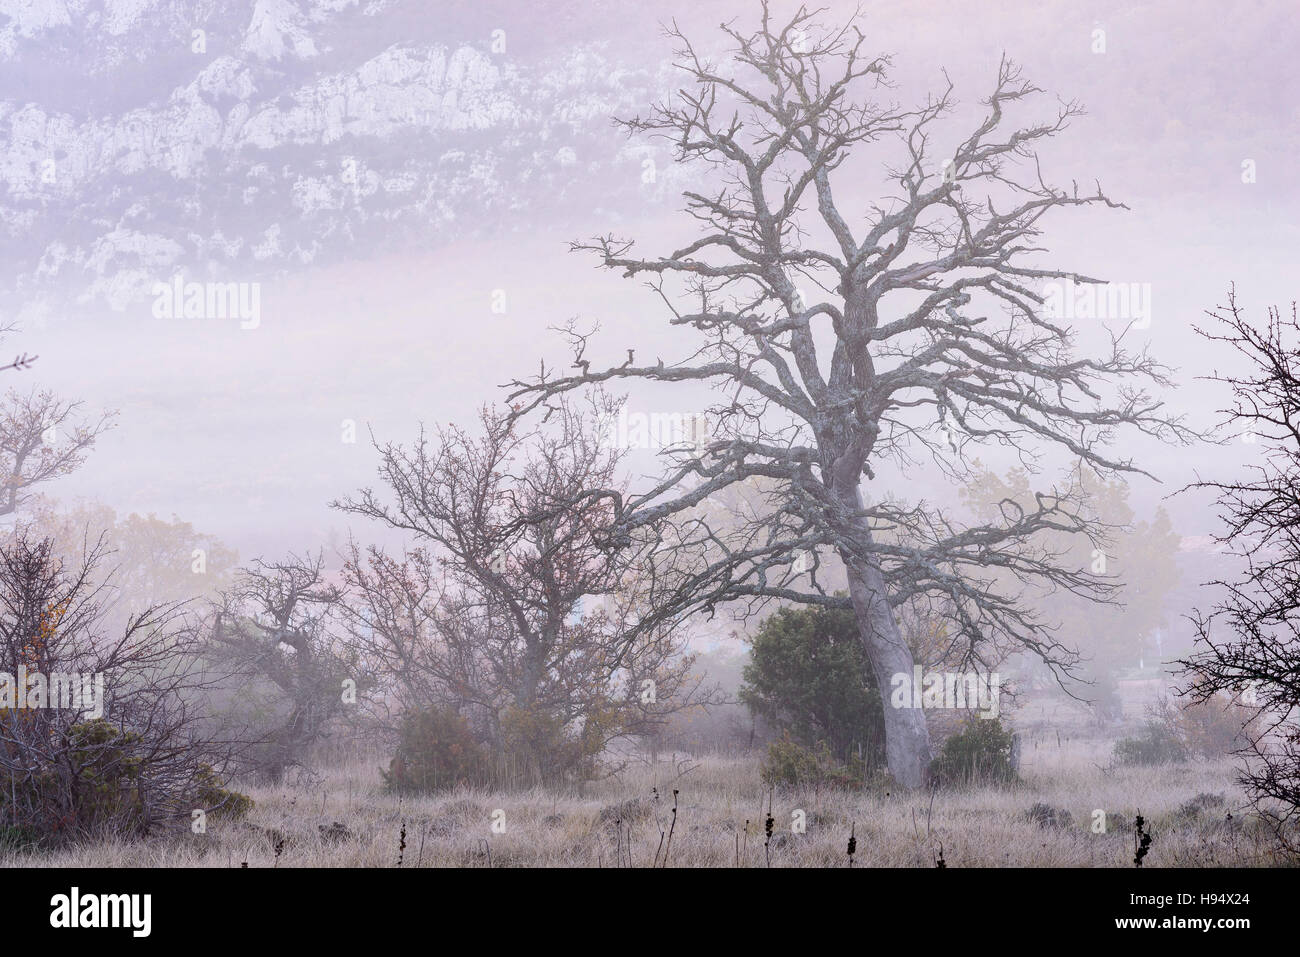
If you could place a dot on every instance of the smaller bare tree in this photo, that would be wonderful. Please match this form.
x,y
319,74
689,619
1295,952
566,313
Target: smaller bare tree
x,y
519,610
1249,642
42,437
276,631
100,731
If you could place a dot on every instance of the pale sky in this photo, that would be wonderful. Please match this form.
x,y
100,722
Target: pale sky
x,y
379,239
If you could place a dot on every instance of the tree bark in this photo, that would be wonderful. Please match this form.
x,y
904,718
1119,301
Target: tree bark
x,y
907,736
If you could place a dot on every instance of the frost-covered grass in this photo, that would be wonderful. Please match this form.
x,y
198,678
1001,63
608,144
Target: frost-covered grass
x,y
721,809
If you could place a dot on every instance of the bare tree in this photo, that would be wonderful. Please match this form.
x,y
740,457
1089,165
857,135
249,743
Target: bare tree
x,y
403,616
516,610
279,623
845,343
1249,642
100,730
41,438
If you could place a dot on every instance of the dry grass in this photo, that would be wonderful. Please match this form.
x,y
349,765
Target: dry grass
x,y
614,822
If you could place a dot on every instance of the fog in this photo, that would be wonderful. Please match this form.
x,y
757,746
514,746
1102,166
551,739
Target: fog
x,y
377,306
269,236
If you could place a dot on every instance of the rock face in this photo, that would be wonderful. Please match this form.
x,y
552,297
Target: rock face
x,y
144,138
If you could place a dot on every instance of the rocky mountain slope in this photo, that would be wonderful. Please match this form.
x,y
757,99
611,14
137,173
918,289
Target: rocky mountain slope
x,y
234,141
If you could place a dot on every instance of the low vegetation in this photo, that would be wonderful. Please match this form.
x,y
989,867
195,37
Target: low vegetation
x,y
346,817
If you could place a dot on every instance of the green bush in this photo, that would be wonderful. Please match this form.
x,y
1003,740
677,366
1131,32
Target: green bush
x,y
91,785
218,800
107,770
436,751
791,764
18,838
1155,743
979,753
95,785
541,749
808,675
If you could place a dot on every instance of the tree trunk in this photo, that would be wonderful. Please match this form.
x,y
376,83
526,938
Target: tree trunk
x,y
907,738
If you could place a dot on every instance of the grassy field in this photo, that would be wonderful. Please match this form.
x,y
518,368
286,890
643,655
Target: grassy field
x,y
342,818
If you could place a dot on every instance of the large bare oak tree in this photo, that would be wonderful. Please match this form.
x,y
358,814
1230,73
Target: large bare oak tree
x,y
853,341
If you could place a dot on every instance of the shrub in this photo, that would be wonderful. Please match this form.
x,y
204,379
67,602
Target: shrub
x,y
436,751
97,785
145,759
538,749
1203,803
1214,727
1156,743
18,838
1047,816
808,675
92,787
791,764
107,770
218,800
1209,727
979,753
